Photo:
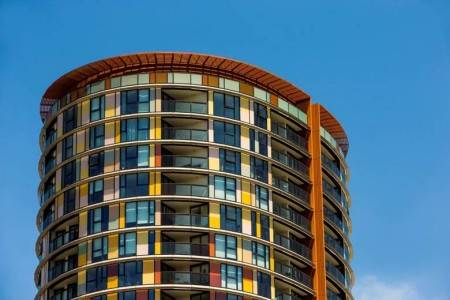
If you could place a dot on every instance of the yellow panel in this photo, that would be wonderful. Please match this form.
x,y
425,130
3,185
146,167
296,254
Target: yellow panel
x,y
248,285
246,194
214,158
113,246
113,282
210,102
258,225
245,140
271,236
81,141
117,132
152,128
112,296
245,164
109,161
272,259
58,180
246,251
214,215
83,223
245,111
81,278
148,272
152,155
246,221
122,215
83,195
110,106
142,243
157,242
82,254
109,133
85,112
157,128
239,249
157,179
84,167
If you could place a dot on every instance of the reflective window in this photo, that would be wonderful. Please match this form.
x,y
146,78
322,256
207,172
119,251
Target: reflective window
x,y
134,157
141,213
70,119
95,191
258,169
260,255
231,276
127,244
67,145
135,184
98,219
230,161
225,246
264,285
227,133
100,249
230,218
69,200
225,188
227,106
260,112
134,129
135,101
97,108
96,163
262,197
130,273
96,279
69,172
97,136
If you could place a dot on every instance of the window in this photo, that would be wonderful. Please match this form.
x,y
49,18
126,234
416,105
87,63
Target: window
x,y
260,115
97,108
135,101
134,129
264,284
233,297
69,201
95,191
231,276
97,136
258,169
230,218
96,163
225,246
151,242
201,296
67,150
258,142
69,173
260,255
135,184
230,161
130,273
253,217
140,213
98,220
225,188
96,279
70,119
128,295
227,106
134,157
99,297
227,133
127,244
262,197
265,233
100,249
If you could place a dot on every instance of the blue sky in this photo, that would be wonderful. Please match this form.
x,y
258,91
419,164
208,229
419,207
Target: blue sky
x,y
382,67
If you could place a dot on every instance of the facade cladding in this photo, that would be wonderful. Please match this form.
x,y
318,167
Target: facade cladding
x,y
189,176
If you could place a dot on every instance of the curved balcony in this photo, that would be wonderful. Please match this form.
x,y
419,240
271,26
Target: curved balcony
x,y
290,162
291,188
331,166
333,296
63,266
173,248
336,247
175,277
284,296
292,216
174,133
185,189
336,195
185,161
184,220
293,273
185,106
334,218
293,245
288,134
62,239
336,274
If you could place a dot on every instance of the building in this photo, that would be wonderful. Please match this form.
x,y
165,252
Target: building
x,y
190,176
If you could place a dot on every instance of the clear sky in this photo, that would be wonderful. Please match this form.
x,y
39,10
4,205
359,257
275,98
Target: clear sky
x,y
381,66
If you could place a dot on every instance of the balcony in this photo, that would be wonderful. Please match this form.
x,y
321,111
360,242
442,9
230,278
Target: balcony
x,y
333,296
293,245
62,266
291,188
180,184
178,219
49,165
336,274
284,296
178,277
62,238
184,101
50,138
333,167
174,248
290,162
292,216
335,194
336,246
335,219
289,134
185,129
49,191
294,273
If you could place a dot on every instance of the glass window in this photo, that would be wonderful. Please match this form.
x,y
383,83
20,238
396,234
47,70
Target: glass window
x,y
231,276
265,233
69,201
134,157
70,119
127,244
141,213
135,101
225,188
97,108
135,184
262,197
233,297
151,242
260,112
227,133
100,249
258,169
99,297
96,163
230,161
98,219
262,143
225,246
264,286
69,173
96,279
95,191
134,129
230,218
67,150
227,106
130,273
97,136
128,295
260,255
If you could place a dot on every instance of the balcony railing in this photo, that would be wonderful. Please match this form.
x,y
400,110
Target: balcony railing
x,y
184,220
294,274
185,161
49,165
333,167
333,296
291,162
63,239
47,194
185,106
336,273
175,277
285,296
291,188
336,246
173,248
48,219
173,133
335,194
292,216
293,245
50,139
335,219
61,267
289,134
184,189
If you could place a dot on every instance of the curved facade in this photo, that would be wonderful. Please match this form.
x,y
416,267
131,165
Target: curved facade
x,y
190,176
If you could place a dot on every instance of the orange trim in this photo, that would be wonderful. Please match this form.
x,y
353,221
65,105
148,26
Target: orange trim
x,y
332,125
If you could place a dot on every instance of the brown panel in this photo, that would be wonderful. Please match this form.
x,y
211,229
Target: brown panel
x,y
245,88
161,77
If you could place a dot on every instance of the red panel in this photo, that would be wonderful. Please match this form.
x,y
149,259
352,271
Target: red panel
x,y
212,245
113,270
158,155
247,274
214,275
141,295
157,272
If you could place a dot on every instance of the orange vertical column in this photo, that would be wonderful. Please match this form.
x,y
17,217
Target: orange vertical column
x,y
318,251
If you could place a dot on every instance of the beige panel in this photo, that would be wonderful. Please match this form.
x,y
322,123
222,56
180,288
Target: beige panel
x,y
142,243
109,133
109,161
113,217
85,112
110,103
246,221
108,187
